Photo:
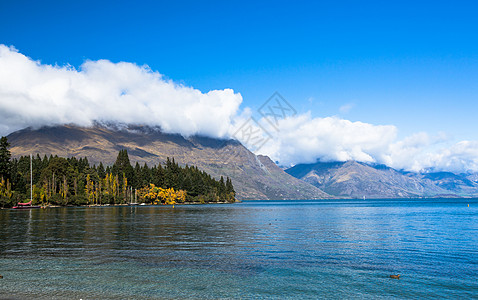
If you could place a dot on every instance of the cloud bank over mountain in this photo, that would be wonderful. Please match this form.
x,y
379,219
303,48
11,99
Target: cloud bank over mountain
x,y
303,139
36,94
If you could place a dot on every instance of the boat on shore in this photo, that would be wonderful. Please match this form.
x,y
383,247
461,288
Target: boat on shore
x,y
27,205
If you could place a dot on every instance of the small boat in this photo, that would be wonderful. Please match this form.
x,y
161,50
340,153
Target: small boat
x,y
27,205
133,204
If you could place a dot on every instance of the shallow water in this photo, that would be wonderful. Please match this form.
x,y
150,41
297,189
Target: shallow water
x,y
288,249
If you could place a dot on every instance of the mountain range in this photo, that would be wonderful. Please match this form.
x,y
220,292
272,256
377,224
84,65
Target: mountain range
x,y
253,176
356,180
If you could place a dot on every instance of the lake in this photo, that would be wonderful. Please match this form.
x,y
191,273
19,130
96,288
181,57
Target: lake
x,y
255,249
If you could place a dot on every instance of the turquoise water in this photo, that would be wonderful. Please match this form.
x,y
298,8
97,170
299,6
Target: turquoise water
x,y
304,249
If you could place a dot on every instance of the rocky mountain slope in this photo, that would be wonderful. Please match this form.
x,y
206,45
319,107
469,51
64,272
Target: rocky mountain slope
x,y
460,184
254,177
355,179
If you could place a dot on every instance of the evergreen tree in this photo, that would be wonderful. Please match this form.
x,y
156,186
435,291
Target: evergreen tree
x,y
83,164
158,176
45,161
230,187
146,176
5,155
222,186
137,174
123,166
101,170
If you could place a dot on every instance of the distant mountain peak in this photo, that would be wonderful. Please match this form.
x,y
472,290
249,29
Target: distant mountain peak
x,y
357,179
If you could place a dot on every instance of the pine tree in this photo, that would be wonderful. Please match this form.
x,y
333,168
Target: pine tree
x,y
137,174
123,166
101,170
5,155
158,176
222,187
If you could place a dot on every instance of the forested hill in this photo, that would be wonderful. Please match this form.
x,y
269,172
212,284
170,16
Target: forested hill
x,y
72,181
254,176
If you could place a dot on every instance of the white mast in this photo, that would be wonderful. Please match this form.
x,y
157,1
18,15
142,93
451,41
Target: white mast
x,y
31,178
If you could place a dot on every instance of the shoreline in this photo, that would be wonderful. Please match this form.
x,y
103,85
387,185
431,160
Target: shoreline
x,y
426,199
124,205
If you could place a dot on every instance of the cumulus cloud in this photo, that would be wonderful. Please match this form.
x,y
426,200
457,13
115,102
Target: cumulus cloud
x,y
415,152
303,138
35,94
461,157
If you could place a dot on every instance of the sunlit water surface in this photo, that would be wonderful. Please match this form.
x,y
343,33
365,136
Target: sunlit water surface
x,y
293,249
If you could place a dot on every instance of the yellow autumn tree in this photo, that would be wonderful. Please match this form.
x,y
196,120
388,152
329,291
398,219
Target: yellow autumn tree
x,y
64,189
5,188
46,190
125,186
116,188
158,195
148,194
89,189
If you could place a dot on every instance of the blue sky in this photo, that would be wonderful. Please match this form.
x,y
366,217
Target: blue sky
x,y
408,64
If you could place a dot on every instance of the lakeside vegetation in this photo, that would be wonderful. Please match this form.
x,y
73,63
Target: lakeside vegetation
x,y
73,181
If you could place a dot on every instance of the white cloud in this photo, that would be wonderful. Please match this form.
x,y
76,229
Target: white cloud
x,y
461,157
35,94
413,153
304,139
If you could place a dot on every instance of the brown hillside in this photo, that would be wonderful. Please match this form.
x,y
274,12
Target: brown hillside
x,y
254,177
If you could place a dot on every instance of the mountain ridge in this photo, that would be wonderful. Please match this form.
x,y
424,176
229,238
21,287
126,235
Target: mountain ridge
x,y
356,179
254,177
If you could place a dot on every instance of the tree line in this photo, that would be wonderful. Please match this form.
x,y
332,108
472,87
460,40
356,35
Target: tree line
x,y
73,181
